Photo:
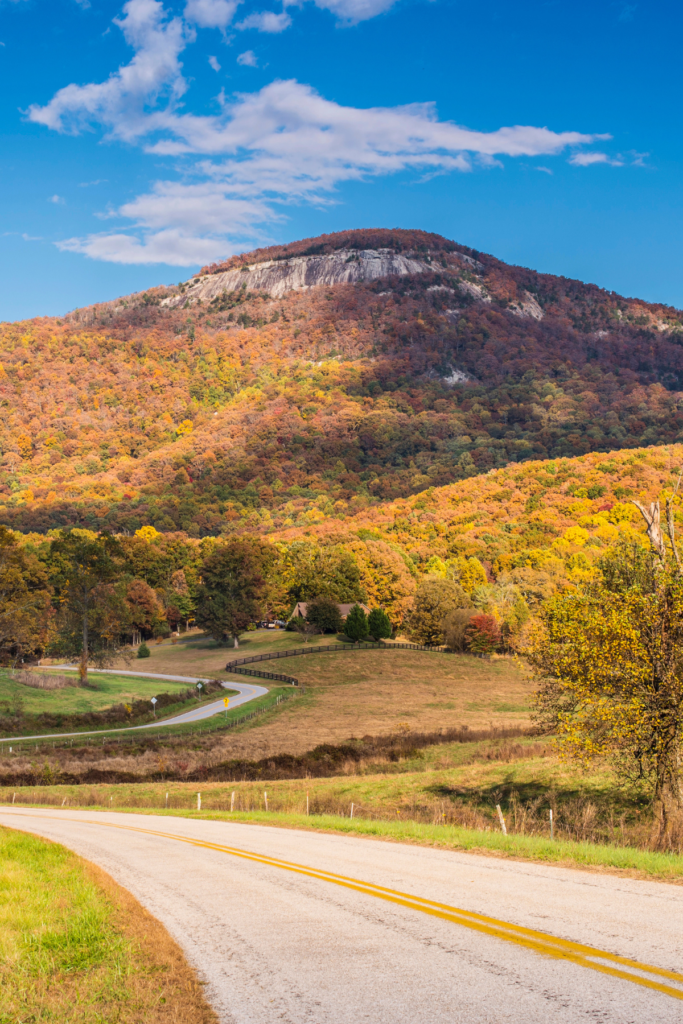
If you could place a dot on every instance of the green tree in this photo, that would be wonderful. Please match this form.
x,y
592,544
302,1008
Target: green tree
x,y
379,624
324,614
434,599
309,571
25,608
356,625
233,587
608,659
91,610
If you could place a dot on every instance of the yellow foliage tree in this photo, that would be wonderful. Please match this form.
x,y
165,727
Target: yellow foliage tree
x,y
608,658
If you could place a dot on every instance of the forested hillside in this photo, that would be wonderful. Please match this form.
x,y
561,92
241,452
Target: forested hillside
x,y
510,538
245,411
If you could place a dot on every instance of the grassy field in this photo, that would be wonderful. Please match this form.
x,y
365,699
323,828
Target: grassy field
x,y
110,689
375,692
76,949
458,784
346,694
196,654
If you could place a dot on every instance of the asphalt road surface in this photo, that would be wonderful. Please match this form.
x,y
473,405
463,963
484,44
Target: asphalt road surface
x,y
296,927
245,693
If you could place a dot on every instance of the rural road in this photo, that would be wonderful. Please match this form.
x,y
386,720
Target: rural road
x,y
303,928
245,691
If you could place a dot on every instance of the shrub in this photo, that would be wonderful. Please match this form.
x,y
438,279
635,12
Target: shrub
x,y
356,625
455,627
143,651
324,614
379,624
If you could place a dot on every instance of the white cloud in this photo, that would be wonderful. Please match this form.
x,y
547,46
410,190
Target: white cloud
x,y
211,13
248,59
285,143
200,208
171,247
266,21
350,12
546,170
118,104
587,159
58,200
213,61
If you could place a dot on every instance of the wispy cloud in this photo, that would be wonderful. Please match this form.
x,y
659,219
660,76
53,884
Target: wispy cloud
x,y
247,59
283,144
213,61
58,200
211,13
588,159
350,12
546,170
266,21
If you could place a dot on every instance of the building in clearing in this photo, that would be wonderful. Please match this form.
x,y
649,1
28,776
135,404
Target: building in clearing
x,y
344,609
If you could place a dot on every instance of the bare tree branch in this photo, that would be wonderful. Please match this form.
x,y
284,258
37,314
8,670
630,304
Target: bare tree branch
x,y
652,517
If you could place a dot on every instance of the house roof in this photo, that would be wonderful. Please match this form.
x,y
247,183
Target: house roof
x,y
301,608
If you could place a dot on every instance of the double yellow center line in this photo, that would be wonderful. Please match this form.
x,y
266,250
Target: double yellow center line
x,y
540,942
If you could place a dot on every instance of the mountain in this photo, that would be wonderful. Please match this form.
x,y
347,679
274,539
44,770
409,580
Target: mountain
x,y
301,384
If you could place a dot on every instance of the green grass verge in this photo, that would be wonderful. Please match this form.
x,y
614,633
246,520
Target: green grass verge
x,y
77,949
255,712
57,932
111,689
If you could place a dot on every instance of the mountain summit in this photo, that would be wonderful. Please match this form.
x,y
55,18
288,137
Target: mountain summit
x,y
301,382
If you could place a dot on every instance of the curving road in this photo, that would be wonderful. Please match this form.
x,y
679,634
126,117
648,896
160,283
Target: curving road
x,y
246,692
306,928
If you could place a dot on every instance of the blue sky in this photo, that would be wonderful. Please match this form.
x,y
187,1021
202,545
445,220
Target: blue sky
x,y
143,139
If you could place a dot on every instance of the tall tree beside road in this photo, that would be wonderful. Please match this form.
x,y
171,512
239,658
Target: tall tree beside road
x,y
233,587
91,611
609,662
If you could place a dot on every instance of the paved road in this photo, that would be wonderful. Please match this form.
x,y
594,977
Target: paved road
x,y
303,928
246,692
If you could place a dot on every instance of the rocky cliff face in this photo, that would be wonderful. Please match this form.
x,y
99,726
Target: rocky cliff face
x,y
276,277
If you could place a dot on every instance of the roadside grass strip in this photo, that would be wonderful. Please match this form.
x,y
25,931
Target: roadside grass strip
x,y
543,943
76,948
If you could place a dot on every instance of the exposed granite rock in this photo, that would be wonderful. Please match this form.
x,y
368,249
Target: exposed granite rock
x,y
303,272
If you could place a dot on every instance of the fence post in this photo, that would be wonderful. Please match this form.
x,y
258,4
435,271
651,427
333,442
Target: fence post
x,y
265,797
232,802
351,815
306,802
199,801
501,819
552,830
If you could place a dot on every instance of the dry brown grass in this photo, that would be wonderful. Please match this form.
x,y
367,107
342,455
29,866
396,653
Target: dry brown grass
x,y
347,694
373,693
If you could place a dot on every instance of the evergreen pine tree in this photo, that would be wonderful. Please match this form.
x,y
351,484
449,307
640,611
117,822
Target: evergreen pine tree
x,y
356,626
379,624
